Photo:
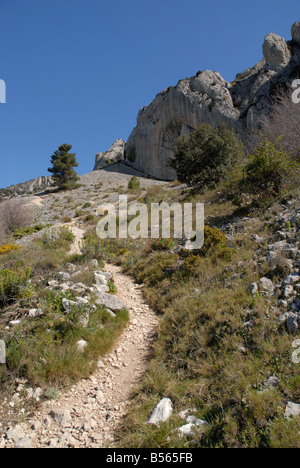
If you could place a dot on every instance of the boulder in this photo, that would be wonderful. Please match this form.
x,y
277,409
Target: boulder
x,y
276,52
188,430
296,33
62,417
272,382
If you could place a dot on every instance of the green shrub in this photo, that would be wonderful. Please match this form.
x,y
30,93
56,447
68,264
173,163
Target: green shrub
x,y
66,219
191,266
94,248
79,213
55,238
89,217
268,173
134,183
27,231
207,156
163,244
215,243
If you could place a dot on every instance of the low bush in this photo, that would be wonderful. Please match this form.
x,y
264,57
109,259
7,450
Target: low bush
x,y
55,238
27,231
134,183
4,249
163,244
12,282
269,174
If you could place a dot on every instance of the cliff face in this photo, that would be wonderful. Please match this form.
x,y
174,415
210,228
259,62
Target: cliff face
x,y
208,98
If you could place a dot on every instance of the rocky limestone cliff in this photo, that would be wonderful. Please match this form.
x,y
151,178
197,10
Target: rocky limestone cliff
x,y
113,155
27,188
208,98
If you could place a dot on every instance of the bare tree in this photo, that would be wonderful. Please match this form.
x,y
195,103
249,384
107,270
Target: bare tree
x,y
14,214
284,122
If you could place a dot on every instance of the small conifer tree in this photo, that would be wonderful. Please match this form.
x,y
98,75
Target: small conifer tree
x,y
63,163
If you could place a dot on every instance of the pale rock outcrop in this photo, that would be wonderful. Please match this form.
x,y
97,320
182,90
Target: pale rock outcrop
x,y
27,188
276,52
208,99
113,155
296,33
175,112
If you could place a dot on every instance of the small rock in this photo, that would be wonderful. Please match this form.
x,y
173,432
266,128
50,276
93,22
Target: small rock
x,y
265,284
25,443
253,288
292,322
292,410
15,434
162,412
109,301
293,278
14,323
272,382
61,416
36,425
81,345
33,313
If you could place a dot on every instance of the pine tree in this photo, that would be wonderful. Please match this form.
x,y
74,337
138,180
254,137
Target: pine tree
x,y
63,163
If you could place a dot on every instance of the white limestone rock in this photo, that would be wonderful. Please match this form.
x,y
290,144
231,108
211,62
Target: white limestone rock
x,y
162,412
113,155
296,33
276,52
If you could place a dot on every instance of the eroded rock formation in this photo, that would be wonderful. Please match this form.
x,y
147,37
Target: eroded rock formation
x,y
208,98
113,155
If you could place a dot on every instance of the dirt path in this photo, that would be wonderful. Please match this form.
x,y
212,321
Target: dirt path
x,y
89,413
78,233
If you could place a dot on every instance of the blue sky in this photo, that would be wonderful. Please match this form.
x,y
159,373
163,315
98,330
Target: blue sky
x,y
78,71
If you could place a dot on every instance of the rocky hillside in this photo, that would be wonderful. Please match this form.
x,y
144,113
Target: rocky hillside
x,y
222,372
26,188
208,98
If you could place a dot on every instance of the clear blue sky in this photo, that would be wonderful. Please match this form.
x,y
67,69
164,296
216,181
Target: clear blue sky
x,y
78,71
